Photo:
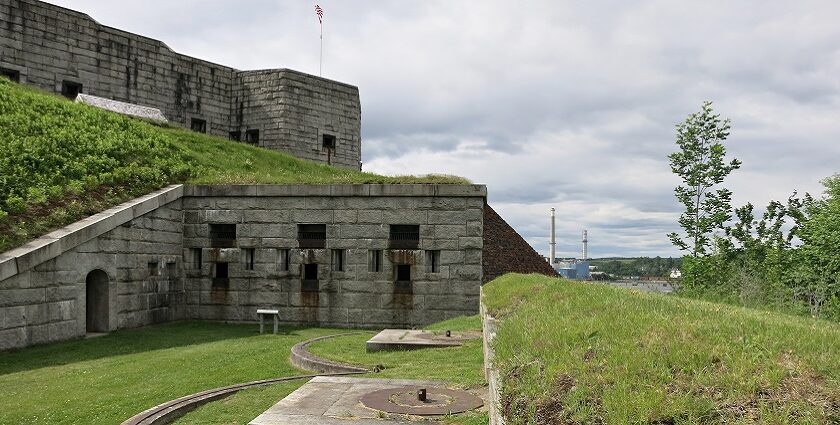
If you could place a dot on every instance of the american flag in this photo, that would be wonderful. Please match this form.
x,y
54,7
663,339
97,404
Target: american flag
x,y
320,13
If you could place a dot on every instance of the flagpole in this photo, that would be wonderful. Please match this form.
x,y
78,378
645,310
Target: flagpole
x,y
321,63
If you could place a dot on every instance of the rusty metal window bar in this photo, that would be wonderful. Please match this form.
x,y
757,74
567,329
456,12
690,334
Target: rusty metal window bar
x,y
404,236
222,235
312,236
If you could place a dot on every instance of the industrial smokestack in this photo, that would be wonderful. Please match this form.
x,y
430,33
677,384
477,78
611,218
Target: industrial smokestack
x,y
585,245
551,250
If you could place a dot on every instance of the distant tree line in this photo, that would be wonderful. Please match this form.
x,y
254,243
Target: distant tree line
x,y
619,268
785,259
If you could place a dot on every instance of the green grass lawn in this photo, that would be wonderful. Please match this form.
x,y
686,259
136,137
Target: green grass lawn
x,y
61,161
572,352
109,379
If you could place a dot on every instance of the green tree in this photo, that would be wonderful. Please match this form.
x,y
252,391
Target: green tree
x,y
700,163
817,281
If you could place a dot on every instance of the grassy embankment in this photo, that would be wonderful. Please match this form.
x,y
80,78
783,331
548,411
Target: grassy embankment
x,y
109,379
584,353
61,161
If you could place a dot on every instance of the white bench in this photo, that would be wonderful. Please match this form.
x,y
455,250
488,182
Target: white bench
x,y
262,313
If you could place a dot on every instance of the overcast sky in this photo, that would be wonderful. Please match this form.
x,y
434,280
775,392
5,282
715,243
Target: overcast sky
x,y
564,104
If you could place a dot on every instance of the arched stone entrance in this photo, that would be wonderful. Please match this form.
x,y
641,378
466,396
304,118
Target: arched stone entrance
x,y
96,305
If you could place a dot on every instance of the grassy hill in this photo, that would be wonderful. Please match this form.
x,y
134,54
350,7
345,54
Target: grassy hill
x,y
61,161
573,352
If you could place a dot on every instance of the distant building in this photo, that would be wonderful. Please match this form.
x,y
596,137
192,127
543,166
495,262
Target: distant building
x,y
573,269
676,274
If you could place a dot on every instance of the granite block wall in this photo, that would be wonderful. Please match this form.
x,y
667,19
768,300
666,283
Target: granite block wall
x,y
163,257
266,267
49,46
140,264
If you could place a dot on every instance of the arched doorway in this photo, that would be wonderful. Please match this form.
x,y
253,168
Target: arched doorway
x,y
96,305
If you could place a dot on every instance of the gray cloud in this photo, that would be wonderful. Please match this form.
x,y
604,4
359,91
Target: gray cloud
x,y
569,105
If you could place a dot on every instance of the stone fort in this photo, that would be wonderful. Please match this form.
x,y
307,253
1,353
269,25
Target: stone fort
x,y
68,53
369,256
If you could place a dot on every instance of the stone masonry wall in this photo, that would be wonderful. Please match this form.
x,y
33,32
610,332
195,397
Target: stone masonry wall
x,y
505,251
49,45
152,260
47,302
294,111
358,220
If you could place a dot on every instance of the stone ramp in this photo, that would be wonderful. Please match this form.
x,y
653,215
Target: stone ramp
x,y
333,401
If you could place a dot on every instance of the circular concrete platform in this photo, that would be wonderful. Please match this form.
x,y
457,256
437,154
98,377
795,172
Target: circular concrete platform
x,y
405,401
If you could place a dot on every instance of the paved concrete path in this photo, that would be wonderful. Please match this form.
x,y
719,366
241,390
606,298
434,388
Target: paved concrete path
x,y
333,401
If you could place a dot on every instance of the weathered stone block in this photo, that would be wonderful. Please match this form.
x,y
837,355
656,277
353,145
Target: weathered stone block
x,y
13,338
470,243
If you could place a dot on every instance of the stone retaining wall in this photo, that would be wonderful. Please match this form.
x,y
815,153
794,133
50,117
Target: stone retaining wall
x,y
134,248
138,263
491,373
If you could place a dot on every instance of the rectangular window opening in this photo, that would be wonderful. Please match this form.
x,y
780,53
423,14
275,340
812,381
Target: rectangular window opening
x,y
70,89
250,253
222,235
375,260
285,259
153,268
252,137
196,258
235,136
312,236
220,278
221,271
338,260
433,261
198,125
309,283
172,270
404,236
402,282
328,141
11,74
